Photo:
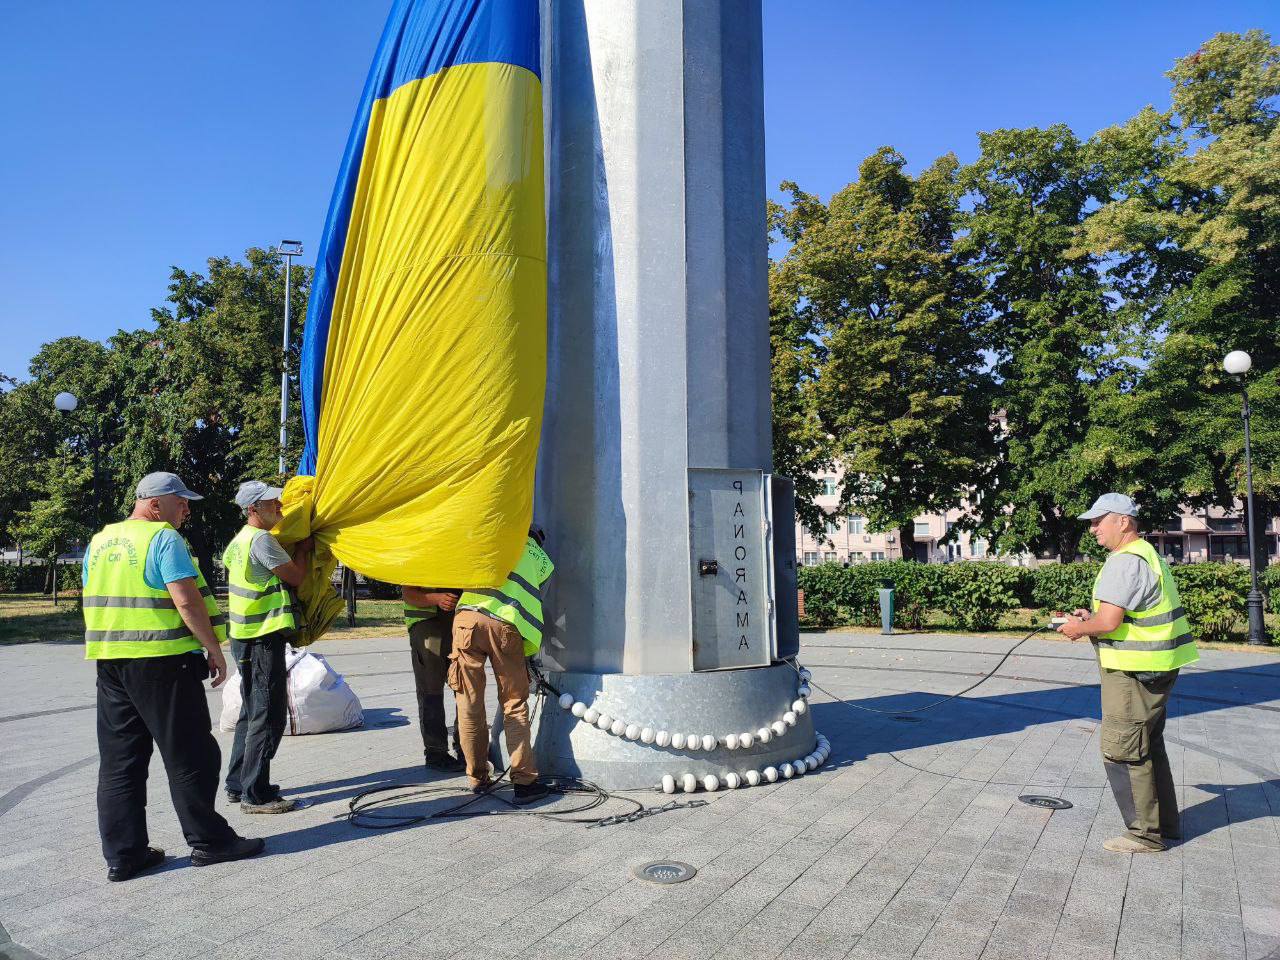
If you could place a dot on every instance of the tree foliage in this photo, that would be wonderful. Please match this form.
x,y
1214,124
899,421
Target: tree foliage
x,y
881,317
1081,293
197,394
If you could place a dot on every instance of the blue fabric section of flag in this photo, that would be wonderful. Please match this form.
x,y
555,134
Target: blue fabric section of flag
x,y
421,37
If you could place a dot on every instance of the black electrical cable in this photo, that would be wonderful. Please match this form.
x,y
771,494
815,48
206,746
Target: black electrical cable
x,y
929,706
936,703
360,810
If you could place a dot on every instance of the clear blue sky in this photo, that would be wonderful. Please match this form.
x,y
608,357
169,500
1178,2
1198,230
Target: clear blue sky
x,y
141,135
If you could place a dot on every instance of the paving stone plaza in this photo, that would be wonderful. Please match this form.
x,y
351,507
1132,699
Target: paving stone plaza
x,y
910,842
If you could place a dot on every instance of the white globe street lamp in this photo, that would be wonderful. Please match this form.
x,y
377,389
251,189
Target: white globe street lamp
x,y
66,402
1238,363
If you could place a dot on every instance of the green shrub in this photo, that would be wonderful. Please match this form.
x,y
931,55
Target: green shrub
x,y
824,587
977,592
1214,596
838,595
1269,580
70,576
1064,586
28,578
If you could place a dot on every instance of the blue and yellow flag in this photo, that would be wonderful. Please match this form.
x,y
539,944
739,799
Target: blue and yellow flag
x,y
424,353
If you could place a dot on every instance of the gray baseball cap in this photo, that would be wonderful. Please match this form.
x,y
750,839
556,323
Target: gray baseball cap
x,y
251,491
159,484
1111,503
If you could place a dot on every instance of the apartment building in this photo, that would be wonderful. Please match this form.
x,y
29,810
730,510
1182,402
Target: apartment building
x,y
1192,537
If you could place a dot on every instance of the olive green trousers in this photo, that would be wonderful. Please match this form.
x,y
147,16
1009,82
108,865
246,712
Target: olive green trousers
x,y
1133,754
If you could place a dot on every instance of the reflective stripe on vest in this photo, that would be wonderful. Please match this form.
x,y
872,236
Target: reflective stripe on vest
x,y
257,607
124,616
414,615
1156,639
519,600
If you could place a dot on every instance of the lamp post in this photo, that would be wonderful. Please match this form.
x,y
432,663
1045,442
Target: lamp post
x,y
287,249
67,403
1238,363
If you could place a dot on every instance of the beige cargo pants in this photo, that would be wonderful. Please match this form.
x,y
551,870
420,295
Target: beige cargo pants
x,y
1133,754
475,638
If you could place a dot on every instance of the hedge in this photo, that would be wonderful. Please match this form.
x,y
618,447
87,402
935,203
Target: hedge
x,y
974,594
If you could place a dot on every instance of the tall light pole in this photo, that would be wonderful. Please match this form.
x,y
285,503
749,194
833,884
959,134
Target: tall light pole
x,y
1238,363
287,249
67,403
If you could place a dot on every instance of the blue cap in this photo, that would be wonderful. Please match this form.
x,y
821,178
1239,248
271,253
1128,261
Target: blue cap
x,y
1111,503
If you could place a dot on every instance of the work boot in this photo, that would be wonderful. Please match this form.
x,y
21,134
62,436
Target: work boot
x,y
278,805
241,848
148,861
529,792
484,787
233,796
445,762
1127,844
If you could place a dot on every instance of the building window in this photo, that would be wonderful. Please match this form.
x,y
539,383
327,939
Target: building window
x,y
922,529
977,548
810,558
1173,524
829,557
877,554
1226,524
833,526
857,524
828,486
857,556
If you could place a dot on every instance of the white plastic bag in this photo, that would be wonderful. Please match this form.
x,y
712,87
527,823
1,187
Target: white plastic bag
x,y
319,699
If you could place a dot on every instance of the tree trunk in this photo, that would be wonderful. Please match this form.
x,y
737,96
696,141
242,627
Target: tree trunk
x,y
1068,542
907,540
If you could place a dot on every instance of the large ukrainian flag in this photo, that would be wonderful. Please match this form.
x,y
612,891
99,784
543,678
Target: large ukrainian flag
x,y
424,354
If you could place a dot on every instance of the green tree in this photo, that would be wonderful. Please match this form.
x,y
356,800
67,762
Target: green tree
x,y
884,325
202,390
34,436
1193,227
198,395
1051,333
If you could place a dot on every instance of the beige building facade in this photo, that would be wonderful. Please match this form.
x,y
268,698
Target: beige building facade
x,y
1193,537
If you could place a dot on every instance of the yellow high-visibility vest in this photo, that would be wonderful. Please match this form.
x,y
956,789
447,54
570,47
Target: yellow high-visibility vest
x,y
1152,640
519,600
124,616
258,607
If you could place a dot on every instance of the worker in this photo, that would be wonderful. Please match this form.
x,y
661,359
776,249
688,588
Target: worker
x,y
148,612
428,615
505,626
261,578
1141,636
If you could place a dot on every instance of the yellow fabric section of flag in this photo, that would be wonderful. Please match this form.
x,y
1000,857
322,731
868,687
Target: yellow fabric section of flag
x,y
435,368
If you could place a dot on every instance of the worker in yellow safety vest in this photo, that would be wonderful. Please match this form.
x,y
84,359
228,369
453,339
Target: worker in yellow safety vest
x,y
1142,638
261,578
428,616
504,626
148,615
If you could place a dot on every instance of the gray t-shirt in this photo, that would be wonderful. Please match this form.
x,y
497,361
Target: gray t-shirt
x,y
1128,582
265,555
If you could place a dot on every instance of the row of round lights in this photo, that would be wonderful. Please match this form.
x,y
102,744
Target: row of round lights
x,y
752,778
691,741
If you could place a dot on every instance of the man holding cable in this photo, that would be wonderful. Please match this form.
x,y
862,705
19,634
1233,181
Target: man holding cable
x,y
1142,639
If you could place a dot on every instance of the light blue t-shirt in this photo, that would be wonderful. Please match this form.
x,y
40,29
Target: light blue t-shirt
x,y
168,559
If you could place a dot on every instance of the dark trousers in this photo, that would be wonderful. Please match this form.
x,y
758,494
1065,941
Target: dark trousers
x,y
158,700
430,642
1134,757
264,691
